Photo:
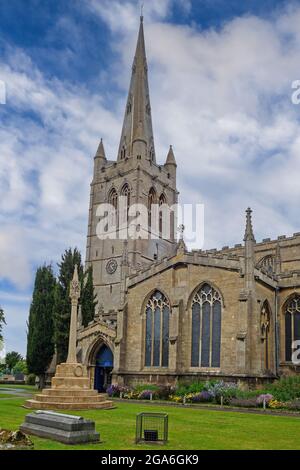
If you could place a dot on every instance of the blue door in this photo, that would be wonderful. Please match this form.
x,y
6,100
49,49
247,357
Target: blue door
x,y
103,369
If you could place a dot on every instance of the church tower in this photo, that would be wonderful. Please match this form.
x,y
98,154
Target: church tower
x,y
136,178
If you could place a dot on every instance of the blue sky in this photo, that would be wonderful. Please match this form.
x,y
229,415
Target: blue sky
x,y
220,79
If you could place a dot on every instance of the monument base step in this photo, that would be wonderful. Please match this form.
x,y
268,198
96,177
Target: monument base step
x,y
44,405
71,398
71,391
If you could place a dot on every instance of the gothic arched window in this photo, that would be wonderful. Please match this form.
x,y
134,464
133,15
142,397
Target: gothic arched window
x,y
123,152
113,201
157,331
151,202
267,264
292,325
265,325
162,201
125,193
206,328
113,198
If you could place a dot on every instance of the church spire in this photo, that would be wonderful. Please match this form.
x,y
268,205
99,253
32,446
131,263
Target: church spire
x,y
137,132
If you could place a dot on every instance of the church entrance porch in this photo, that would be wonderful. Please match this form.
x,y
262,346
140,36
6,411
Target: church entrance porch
x,y
103,368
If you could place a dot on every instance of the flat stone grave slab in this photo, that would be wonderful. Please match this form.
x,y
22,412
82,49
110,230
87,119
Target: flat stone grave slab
x,y
60,427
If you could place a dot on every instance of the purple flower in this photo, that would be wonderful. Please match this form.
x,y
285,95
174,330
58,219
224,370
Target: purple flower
x,y
202,397
146,394
264,398
115,390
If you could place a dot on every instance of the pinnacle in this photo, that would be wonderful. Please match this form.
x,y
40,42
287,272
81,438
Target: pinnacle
x,y
171,157
100,152
249,235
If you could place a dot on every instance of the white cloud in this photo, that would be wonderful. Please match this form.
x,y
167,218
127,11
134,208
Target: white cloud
x,y
223,98
122,16
45,165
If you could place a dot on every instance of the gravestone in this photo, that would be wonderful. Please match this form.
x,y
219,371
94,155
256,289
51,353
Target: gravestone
x,y
60,427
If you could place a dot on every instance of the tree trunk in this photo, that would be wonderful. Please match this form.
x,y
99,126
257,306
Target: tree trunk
x,y
41,381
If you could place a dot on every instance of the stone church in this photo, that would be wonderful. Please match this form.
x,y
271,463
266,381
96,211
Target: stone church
x,y
164,313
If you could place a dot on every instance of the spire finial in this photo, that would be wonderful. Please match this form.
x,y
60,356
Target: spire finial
x,y
142,13
75,274
249,235
74,285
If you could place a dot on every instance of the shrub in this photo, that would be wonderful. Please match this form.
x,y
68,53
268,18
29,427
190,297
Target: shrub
x,y
164,392
185,389
243,402
227,390
30,379
285,389
141,387
247,393
293,405
267,397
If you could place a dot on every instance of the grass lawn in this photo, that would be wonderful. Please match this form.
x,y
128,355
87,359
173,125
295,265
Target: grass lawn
x,y
188,428
29,388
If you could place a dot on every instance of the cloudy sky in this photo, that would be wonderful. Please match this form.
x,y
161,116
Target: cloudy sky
x,y
221,74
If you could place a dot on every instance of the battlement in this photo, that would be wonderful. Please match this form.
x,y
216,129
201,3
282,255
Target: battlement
x,y
263,243
230,262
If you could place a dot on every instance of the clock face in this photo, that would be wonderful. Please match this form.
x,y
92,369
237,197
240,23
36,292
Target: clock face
x,y
111,266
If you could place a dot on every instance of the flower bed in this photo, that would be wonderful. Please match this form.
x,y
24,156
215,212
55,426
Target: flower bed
x,y
217,392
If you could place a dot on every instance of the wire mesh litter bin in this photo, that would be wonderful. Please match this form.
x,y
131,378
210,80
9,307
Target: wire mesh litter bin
x,y
152,428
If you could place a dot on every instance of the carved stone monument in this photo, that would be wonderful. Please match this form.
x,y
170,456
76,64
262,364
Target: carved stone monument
x,y
70,387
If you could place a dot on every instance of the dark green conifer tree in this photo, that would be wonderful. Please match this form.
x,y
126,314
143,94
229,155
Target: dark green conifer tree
x,y
88,298
40,332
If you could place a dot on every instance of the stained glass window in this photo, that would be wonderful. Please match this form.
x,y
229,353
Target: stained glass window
x,y
292,325
148,341
157,331
206,328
